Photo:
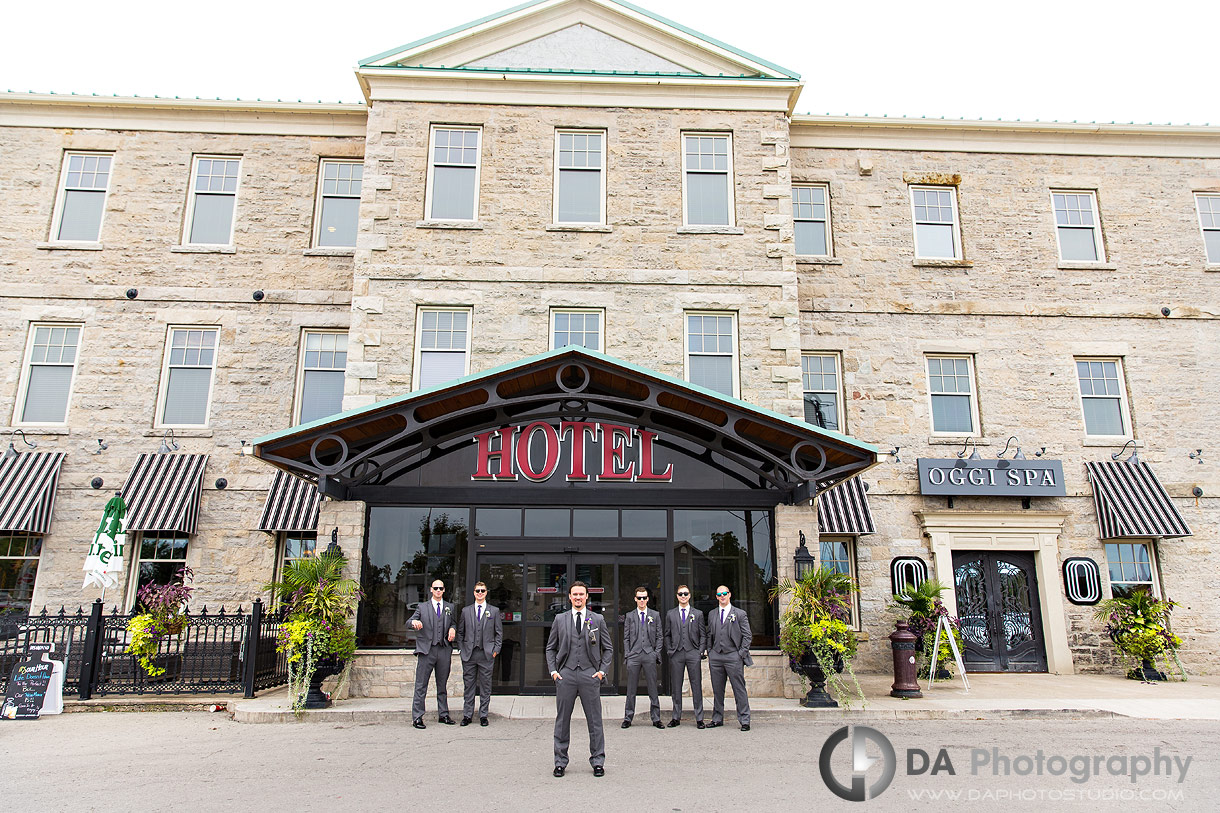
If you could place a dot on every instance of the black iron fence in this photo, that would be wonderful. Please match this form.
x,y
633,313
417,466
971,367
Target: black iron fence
x,y
216,653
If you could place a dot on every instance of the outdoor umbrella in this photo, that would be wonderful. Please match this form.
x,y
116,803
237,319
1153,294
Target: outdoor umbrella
x,y
104,564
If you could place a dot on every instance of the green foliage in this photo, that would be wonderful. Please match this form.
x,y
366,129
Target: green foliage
x,y
817,619
1138,624
144,641
164,614
921,600
925,608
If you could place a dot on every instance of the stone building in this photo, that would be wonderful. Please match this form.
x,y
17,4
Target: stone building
x,y
598,305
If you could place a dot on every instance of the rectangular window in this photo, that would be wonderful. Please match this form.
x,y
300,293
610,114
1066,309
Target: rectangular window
x,y
323,360
1131,567
1209,221
580,177
82,197
839,554
1077,226
162,555
708,179
582,328
339,184
1103,397
820,381
296,545
443,346
936,227
811,220
453,174
186,380
951,388
49,369
19,554
209,217
711,351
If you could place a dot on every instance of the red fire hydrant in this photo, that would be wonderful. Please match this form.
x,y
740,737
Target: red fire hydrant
x,y
902,641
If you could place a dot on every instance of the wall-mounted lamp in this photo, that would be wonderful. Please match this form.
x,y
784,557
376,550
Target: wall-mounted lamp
x,y
974,454
1018,456
11,451
803,559
168,444
1197,454
101,446
894,454
333,548
1134,458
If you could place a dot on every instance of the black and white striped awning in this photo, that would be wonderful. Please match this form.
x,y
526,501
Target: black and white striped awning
x,y
27,491
1130,501
162,492
292,505
844,510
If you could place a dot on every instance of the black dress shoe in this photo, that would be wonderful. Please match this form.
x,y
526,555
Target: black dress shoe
x,y
482,721
446,721
714,724
626,724
418,724
658,724
465,721
558,770
745,726
674,723
700,724
598,770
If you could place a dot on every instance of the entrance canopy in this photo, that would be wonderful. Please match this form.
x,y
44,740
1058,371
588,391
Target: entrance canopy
x,y
569,419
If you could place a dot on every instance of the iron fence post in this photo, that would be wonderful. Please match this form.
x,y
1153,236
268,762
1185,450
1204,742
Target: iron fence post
x,y
254,633
91,661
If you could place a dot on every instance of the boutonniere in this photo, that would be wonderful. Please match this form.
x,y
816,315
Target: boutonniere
x,y
732,618
649,619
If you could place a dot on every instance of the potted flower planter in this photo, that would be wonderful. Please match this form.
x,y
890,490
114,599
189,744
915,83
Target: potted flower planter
x,y
326,667
808,666
1147,671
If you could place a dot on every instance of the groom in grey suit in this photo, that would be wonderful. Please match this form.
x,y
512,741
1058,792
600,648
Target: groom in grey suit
x,y
578,654
480,636
686,644
433,624
728,647
642,651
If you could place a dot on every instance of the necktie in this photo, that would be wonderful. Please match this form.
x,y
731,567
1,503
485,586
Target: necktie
x,y
478,614
641,618
683,615
578,622
438,611
722,616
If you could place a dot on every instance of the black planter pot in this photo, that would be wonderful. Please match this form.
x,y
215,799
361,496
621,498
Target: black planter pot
x,y
808,665
326,667
1146,671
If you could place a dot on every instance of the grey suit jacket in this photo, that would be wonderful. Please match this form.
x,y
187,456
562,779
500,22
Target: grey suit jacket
x,y
493,631
736,631
599,647
653,635
696,629
424,614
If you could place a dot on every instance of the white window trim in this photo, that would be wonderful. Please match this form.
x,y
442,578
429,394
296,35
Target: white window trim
x,y
419,338
300,387
976,430
478,171
601,324
62,194
957,222
601,221
1099,247
1123,408
830,246
729,176
281,549
1203,231
163,387
686,353
317,209
854,598
23,386
1153,563
841,410
191,196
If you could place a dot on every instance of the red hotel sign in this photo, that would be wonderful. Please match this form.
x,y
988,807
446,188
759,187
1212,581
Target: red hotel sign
x,y
626,453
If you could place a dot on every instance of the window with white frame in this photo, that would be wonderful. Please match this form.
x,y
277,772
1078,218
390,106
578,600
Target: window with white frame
x,y
19,554
453,174
1131,567
1103,397
295,546
209,218
838,553
1077,226
82,197
937,236
442,346
1209,222
811,220
323,361
186,380
820,382
582,328
711,351
49,370
339,184
708,178
162,556
580,177
951,389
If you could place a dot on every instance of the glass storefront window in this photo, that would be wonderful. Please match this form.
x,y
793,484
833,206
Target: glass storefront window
x,y
498,522
641,523
18,569
595,522
547,522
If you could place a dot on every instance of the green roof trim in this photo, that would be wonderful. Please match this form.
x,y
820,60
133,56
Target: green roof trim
x,y
789,74
550,354
580,72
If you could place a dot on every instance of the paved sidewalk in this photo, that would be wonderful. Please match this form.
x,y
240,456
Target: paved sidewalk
x,y
990,696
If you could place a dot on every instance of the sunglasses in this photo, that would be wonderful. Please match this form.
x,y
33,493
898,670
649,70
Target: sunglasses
x,y
438,588
479,590
684,593
722,594
641,598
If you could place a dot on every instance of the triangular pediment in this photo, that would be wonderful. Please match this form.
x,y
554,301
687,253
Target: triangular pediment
x,y
578,47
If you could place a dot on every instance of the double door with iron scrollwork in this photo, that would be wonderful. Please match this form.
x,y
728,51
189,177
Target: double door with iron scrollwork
x,y
997,607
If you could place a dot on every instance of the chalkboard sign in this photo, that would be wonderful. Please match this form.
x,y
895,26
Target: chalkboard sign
x,y
27,686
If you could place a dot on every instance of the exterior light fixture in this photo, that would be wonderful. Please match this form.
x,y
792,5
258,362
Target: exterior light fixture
x,y
803,559
168,444
11,451
894,454
333,548
1197,454
974,453
1134,458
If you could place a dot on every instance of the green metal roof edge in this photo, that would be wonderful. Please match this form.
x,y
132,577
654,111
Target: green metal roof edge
x,y
364,63
577,72
466,379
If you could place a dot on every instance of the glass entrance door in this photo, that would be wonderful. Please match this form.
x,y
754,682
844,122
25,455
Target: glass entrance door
x,y
998,610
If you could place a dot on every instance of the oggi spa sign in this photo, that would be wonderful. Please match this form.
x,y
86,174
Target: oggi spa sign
x,y
999,478
605,452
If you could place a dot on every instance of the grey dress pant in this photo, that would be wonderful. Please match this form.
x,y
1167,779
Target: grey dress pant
x,y
728,665
578,682
686,661
438,659
648,663
478,668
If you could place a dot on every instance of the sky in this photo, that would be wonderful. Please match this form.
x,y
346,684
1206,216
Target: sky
x,y
1054,61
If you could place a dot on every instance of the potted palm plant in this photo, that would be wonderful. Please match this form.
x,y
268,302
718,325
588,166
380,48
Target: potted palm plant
x,y
925,608
817,635
1138,624
316,634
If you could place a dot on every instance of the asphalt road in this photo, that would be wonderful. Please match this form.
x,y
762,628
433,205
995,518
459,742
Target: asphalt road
x,y
206,762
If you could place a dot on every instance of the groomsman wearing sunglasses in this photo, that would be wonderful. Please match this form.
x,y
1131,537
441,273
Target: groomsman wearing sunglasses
x,y
642,651
686,645
433,620
728,645
480,636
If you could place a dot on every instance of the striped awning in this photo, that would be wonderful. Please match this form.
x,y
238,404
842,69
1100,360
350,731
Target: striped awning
x,y
1130,501
844,509
292,505
27,491
162,492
